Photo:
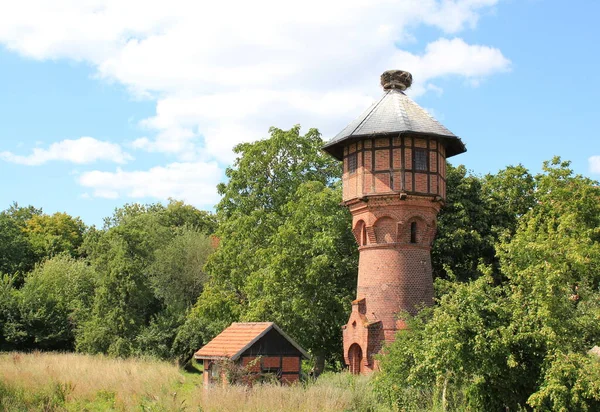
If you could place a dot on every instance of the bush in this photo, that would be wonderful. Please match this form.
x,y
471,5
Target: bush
x,y
55,300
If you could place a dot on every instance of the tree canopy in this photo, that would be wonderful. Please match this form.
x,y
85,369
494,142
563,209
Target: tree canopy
x,y
286,251
123,290
518,342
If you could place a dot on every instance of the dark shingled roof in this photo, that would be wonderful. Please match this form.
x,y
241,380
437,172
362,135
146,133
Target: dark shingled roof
x,y
395,113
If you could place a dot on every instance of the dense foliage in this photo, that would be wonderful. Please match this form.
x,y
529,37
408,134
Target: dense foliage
x,y
477,212
122,290
521,340
286,250
516,261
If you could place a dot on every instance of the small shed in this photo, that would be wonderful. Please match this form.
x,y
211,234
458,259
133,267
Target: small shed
x,y
260,347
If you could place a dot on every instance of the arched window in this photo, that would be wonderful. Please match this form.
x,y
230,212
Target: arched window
x,y
360,233
413,232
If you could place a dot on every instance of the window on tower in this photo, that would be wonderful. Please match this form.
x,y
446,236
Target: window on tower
x,y
420,160
413,232
352,163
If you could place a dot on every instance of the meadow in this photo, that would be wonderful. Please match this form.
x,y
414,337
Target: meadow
x,y
76,382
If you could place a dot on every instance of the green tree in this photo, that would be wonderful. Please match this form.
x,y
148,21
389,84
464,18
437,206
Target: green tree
x,y
21,214
177,273
309,277
16,253
478,211
511,344
149,259
124,302
260,226
50,235
54,301
175,214
464,237
177,278
571,383
266,173
10,323
508,195
553,266
456,353
190,335
179,214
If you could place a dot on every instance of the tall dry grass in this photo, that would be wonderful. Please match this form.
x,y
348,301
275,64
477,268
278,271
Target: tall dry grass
x,y
331,392
128,381
75,382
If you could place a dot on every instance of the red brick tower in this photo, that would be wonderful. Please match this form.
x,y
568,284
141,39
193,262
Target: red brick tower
x,y
394,184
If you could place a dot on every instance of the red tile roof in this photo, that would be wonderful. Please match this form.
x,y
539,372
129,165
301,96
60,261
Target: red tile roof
x,y
238,337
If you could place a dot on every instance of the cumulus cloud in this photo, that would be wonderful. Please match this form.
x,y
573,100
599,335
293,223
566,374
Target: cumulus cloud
x,y
445,57
192,182
594,163
224,72
223,120
80,151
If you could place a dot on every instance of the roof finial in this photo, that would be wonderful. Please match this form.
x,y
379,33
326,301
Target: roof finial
x,y
396,79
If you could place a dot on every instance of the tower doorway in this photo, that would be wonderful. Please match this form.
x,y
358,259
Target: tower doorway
x,y
355,356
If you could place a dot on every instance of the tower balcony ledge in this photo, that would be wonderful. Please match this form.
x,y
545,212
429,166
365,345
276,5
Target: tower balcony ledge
x,y
392,200
394,245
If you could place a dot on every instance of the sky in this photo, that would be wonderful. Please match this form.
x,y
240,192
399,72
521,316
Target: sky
x,y
107,102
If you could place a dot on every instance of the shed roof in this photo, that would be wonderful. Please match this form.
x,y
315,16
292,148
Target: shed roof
x,y
395,113
238,337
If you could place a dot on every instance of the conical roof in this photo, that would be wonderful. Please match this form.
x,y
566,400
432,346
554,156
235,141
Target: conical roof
x,y
395,113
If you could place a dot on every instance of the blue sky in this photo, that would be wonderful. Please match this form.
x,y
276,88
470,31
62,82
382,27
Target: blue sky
x,y
109,102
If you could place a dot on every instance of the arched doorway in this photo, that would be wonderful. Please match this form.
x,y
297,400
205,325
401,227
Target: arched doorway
x,y
355,357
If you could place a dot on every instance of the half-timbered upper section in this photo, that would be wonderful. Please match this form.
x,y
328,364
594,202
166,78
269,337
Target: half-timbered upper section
x,y
394,146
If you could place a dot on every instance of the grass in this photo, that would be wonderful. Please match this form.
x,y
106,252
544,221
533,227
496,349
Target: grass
x,y
331,392
78,380
75,382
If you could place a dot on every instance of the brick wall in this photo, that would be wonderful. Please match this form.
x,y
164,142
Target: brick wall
x,y
385,230
271,362
421,183
291,364
385,165
394,278
289,367
382,183
206,372
394,274
252,364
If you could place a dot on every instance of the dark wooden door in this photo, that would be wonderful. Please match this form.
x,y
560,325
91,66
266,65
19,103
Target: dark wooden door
x,y
355,357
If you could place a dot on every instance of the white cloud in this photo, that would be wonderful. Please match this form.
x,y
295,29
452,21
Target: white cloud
x,y
80,151
446,57
594,163
192,182
223,120
224,72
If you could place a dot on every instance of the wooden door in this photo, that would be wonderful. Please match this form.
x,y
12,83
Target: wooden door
x,y
355,356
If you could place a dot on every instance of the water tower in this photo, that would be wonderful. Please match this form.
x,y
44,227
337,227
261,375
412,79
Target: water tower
x,y
394,184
